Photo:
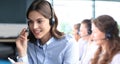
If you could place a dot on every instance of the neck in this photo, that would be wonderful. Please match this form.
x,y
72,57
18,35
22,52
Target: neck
x,y
103,45
45,39
77,37
86,38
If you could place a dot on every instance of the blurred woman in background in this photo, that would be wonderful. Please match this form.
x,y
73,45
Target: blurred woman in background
x,y
87,47
106,35
76,31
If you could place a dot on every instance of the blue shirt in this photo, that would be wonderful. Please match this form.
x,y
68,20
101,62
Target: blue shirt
x,y
55,51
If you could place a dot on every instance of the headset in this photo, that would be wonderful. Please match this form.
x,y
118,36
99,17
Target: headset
x,y
108,34
52,19
89,30
89,27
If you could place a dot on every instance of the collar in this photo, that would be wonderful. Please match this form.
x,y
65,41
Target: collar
x,y
47,43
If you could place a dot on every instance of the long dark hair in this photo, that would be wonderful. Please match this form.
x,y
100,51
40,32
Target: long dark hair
x,y
45,8
107,25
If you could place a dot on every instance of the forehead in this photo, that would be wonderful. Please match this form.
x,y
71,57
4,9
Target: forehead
x,y
34,15
94,28
83,25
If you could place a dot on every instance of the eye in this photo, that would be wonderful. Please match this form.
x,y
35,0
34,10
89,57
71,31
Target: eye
x,y
30,22
39,21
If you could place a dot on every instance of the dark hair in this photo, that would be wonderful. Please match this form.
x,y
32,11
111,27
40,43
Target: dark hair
x,y
107,24
44,7
87,22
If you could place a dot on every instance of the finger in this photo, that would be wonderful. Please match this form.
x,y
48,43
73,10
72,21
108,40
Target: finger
x,y
22,37
26,35
21,40
23,31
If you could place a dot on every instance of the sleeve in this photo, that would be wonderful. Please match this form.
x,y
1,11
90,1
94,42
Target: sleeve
x,y
72,53
116,59
23,59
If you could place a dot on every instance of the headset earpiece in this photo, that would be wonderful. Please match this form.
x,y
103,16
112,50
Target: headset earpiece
x,y
108,35
52,19
89,29
89,32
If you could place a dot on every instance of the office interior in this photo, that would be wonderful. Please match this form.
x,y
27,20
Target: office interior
x,y
69,12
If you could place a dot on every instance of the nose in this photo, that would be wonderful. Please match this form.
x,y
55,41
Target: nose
x,y
35,25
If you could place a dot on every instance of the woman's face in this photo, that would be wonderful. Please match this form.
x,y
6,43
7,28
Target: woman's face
x,y
83,30
97,35
74,30
39,25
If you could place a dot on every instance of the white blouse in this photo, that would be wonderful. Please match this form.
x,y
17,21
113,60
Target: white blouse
x,y
116,59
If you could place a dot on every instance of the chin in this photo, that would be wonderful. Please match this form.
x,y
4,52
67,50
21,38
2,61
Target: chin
x,y
38,37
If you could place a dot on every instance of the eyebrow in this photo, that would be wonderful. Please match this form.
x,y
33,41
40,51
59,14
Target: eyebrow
x,y
35,20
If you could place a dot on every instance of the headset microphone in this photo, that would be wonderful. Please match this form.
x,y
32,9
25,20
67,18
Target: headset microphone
x,y
99,39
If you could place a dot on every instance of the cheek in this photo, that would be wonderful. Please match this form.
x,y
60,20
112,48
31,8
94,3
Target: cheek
x,y
99,36
96,36
84,32
46,27
30,27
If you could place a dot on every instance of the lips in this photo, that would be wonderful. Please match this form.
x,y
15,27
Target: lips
x,y
37,32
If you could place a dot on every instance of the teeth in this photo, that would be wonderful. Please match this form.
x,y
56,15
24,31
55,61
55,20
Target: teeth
x,y
37,31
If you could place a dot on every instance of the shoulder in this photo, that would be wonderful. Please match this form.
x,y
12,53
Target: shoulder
x,y
31,45
68,38
116,59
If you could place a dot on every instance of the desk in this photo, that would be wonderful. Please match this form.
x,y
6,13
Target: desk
x,y
7,40
7,45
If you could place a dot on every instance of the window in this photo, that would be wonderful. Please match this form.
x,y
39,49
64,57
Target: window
x,y
70,12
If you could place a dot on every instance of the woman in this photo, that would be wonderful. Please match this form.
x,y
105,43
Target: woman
x,y
106,35
87,47
76,30
46,44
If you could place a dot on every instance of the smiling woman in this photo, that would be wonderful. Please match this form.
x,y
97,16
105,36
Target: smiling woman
x,y
46,43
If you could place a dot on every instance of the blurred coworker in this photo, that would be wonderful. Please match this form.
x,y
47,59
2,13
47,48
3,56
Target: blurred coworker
x,y
85,32
76,30
106,35
87,48
46,44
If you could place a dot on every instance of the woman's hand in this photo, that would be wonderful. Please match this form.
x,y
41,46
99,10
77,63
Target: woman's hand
x,y
21,43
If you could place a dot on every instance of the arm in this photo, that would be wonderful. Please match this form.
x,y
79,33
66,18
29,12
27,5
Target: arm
x,y
21,44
